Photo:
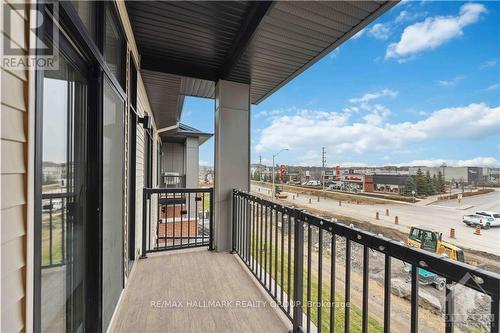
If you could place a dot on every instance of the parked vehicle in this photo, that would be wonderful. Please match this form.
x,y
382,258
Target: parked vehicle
x,y
482,218
52,207
312,183
490,219
336,185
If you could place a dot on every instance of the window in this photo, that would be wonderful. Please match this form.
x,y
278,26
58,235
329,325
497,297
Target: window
x,y
87,12
428,240
415,234
114,43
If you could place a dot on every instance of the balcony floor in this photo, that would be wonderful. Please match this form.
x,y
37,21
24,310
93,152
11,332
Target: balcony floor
x,y
170,292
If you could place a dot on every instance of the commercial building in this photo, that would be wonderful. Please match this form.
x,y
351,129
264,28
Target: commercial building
x,y
387,183
456,175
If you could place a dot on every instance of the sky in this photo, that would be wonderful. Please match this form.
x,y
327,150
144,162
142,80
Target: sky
x,y
418,86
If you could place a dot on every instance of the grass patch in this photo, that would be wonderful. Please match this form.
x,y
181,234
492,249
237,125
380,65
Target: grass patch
x,y
337,301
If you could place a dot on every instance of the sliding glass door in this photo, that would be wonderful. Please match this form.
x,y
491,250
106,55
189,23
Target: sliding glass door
x,y
112,189
63,216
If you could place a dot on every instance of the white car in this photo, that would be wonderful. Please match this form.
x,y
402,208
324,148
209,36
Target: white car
x,y
490,219
312,183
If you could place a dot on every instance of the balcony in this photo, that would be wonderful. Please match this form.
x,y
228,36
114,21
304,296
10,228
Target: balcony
x,y
292,270
188,291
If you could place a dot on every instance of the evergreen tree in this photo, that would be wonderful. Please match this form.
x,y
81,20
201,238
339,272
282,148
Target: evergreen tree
x,y
440,182
435,184
421,183
429,184
410,186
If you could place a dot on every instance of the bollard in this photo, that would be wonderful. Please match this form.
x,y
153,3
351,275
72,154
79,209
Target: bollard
x,y
318,198
293,197
340,203
357,202
258,189
478,230
309,200
297,195
376,216
387,212
396,219
452,232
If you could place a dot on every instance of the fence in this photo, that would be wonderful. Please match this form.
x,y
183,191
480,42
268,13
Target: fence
x,y
286,249
176,218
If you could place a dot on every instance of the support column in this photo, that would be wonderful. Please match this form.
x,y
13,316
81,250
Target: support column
x,y
192,161
232,153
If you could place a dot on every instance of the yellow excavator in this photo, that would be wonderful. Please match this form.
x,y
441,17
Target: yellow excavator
x,y
431,240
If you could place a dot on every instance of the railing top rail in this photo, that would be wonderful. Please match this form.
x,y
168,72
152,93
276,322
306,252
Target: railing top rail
x,y
57,195
473,277
178,190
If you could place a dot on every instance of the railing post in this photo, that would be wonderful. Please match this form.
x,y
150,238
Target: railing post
x,y
298,275
211,221
144,222
233,224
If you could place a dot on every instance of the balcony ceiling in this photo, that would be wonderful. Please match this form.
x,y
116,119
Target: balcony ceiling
x,y
265,44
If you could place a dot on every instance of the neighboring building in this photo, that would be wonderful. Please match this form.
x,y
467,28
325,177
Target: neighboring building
x,y
457,175
387,183
180,155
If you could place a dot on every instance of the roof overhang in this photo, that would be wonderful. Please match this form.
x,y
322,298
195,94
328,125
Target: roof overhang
x,y
187,46
180,132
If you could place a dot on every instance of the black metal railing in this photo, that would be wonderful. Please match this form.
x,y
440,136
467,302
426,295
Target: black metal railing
x,y
176,218
54,228
302,261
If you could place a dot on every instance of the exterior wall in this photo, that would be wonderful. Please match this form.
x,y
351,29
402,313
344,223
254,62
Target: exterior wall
x,y
143,108
173,157
16,114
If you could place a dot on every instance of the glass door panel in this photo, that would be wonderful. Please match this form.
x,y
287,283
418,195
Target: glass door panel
x,y
63,194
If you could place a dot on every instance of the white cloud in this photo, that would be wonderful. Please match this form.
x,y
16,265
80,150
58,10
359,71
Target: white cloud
x,y
374,95
406,16
433,32
493,87
305,129
477,162
489,63
450,83
380,31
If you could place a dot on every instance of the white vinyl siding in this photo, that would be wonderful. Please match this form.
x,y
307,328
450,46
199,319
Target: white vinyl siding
x,y
14,119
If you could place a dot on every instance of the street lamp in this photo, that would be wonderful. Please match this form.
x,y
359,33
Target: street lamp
x,y
274,156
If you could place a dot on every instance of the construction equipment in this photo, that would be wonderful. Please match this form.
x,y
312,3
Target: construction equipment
x,y
430,240
278,193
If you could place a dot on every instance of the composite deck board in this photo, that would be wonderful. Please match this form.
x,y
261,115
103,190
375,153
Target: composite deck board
x,y
163,282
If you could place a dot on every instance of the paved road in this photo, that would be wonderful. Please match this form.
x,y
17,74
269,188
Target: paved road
x,y
441,217
488,202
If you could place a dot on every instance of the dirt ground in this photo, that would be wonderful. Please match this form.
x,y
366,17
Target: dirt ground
x,y
432,301
480,259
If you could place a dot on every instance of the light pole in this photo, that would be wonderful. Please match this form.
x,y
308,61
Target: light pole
x,y
274,156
